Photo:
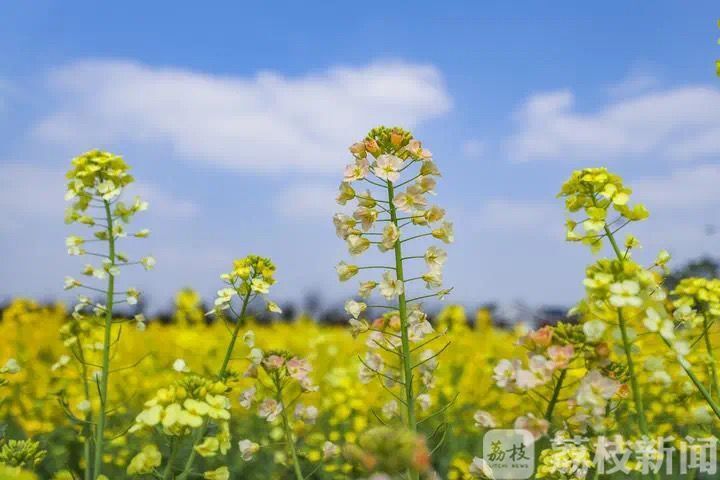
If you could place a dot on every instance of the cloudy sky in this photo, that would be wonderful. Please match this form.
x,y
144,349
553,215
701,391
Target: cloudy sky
x,y
236,118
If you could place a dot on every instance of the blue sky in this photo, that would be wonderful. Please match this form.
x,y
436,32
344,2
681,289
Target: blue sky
x,y
235,117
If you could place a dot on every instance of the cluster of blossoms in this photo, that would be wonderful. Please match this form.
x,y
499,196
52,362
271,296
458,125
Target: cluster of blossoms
x,y
281,380
556,357
597,192
179,411
21,453
385,215
697,299
251,276
96,181
95,184
545,358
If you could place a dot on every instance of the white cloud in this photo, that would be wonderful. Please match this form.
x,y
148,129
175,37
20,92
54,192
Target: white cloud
x,y
307,202
637,81
506,216
696,188
267,122
680,123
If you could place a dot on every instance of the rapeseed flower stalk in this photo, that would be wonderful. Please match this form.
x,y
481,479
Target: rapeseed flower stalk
x,y
614,286
621,289
96,181
250,278
281,379
386,219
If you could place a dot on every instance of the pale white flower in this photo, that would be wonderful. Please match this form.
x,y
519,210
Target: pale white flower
x,y
409,200
505,373
62,361
259,285
424,401
391,287
594,330
444,232
11,366
625,294
256,356
108,190
595,390
481,469
224,296
148,263
346,271
355,308
272,307
248,449
435,257
536,426
356,171
357,244
84,406
484,419
270,409
366,288
433,279
179,365
390,409
249,338
387,167
247,397
330,450
358,326
131,296
390,236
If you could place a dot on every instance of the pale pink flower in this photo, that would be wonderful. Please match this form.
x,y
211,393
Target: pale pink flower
x,y
561,356
536,426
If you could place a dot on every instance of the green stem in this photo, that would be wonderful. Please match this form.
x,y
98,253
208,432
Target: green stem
x,y
709,348
289,438
405,340
100,430
171,459
698,384
87,428
200,433
627,347
555,395
233,339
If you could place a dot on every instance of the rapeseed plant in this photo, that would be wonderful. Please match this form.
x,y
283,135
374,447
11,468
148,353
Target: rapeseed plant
x,y
96,181
385,161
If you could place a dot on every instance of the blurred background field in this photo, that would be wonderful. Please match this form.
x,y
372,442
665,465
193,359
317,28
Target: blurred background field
x,y
31,405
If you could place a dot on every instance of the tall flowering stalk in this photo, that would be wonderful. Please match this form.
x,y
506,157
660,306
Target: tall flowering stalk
x,y
250,278
622,290
616,288
96,181
391,212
